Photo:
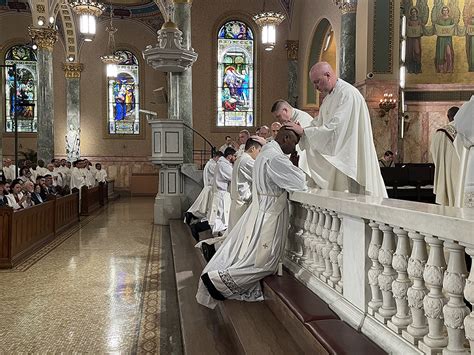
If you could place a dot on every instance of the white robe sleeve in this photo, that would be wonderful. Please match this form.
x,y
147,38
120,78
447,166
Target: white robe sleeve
x,y
328,137
285,175
226,172
244,186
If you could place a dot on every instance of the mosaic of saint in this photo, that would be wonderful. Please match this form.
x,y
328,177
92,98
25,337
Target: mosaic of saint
x,y
235,75
21,104
123,115
440,40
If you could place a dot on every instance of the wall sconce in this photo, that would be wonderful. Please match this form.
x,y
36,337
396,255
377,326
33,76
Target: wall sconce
x,y
386,104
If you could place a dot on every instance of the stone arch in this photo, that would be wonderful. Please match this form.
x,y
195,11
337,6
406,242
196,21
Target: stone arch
x,y
322,47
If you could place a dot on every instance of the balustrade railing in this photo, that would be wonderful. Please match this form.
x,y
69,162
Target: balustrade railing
x,y
394,269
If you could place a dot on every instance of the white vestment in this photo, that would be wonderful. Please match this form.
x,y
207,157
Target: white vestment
x,y
240,189
225,146
57,178
77,178
200,207
9,172
101,175
446,160
255,246
339,144
88,177
464,124
218,216
12,202
304,119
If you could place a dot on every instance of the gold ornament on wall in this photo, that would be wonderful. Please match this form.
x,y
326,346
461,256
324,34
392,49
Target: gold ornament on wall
x,y
73,70
292,49
43,37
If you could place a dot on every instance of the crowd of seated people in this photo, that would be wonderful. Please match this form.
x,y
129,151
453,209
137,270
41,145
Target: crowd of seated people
x,y
36,183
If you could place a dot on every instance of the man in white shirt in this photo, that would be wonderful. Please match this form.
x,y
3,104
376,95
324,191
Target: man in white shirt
x,y
100,174
77,177
339,145
264,132
446,160
275,127
55,175
285,113
218,216
228,144
243,136
8,169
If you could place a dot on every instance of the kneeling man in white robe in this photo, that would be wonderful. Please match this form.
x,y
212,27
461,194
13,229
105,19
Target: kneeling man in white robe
x,y
255,246
200,207
240,193
218,216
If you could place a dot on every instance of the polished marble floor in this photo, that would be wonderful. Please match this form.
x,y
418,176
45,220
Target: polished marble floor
x,y
100,290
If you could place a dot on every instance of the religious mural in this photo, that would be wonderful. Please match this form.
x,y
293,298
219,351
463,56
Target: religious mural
x,y
440,38
22,102
235,77
123,115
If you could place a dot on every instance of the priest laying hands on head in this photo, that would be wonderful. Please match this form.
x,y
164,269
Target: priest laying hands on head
x,y
339,145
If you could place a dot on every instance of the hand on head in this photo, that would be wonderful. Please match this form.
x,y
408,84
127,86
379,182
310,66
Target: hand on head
x,y
295,127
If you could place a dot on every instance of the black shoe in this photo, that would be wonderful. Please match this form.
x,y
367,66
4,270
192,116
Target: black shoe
x,y
188,217
194,232
208,250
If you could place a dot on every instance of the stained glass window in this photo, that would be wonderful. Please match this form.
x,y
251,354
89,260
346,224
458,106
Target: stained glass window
x,y
123,96
235,75
23,102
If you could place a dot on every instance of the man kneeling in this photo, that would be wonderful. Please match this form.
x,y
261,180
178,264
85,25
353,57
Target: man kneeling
x,y
255,246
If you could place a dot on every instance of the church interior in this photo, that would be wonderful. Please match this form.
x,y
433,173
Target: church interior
x,y
112,110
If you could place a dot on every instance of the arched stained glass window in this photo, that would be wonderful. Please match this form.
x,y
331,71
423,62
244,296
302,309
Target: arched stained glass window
x,y
23,102
123,96
235,75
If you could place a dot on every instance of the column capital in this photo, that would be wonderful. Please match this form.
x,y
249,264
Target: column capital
x,y
73,70
43,37
292,49
349,7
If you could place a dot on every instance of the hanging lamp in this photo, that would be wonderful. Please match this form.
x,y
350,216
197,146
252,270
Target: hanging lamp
x,y
88,12
268,21
111,60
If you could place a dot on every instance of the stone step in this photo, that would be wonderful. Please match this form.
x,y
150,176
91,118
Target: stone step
x,y
252,325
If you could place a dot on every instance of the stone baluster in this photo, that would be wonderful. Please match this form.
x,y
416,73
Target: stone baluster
x,y
434,301
299,230
327,246
400,286
416,293
335,250
320,242
312,245
375,269
469,296
455,310
310,238
388,275
305,236
340,257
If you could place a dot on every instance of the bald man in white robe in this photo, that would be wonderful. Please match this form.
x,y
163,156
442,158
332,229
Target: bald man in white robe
x,y
339,145
255,246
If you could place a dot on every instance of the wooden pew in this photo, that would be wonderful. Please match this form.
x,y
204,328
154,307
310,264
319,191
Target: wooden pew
x,y
90,200
25,231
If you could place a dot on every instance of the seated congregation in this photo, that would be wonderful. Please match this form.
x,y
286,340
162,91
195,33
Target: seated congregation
x,y
32,184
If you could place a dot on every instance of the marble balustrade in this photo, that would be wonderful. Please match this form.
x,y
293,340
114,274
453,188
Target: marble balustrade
x,y
396,270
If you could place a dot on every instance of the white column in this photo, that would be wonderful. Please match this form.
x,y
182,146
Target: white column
x,y
376,268
400,286
388,275
455,310
335,250
434,301
340,257
327,247
305,237
320,243
314,240
416,293
469,295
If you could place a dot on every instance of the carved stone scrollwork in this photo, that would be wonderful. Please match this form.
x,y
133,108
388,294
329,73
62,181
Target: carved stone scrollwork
x,y
73,70
455,310
434,301
416,293
376,268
